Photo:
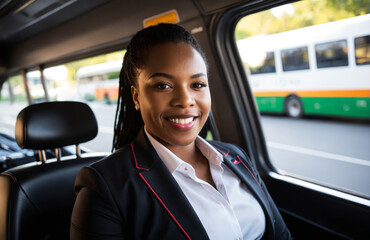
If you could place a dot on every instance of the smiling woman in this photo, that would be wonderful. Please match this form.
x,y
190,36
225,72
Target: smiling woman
x,y
164,181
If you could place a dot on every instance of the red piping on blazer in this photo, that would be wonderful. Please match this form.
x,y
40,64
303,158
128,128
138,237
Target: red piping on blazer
x,y
133,153
156,195
254,178
165,207
240,161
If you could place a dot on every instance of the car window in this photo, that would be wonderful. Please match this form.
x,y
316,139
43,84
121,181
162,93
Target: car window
x,y
92,80
312,89
12,100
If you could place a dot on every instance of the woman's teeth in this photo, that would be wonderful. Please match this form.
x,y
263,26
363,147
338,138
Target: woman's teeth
x,y
181,120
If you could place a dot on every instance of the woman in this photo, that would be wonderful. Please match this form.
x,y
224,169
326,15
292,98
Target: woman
x,y
164,181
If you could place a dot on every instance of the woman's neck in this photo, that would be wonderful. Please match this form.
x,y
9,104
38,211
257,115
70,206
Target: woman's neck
x,y
192,155
188,153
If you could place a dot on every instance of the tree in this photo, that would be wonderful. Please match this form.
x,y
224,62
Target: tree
x,y
357,7
304,13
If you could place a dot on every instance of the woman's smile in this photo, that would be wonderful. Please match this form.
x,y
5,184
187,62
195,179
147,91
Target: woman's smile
x,y
182,122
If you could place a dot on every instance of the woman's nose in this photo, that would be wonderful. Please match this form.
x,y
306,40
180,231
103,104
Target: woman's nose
x,y
183,98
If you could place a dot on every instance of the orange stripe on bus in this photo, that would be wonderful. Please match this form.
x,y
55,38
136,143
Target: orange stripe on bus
x,y
330,93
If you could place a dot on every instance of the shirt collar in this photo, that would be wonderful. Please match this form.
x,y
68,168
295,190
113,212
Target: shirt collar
x,y
172,162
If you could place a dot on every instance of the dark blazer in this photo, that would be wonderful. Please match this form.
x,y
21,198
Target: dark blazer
x,y
132,195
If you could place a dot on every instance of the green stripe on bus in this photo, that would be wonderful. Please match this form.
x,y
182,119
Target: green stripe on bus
x,y
348,107
270,104
337,106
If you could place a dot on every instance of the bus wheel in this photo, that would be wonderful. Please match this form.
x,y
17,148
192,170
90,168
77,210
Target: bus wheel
x,y
293,107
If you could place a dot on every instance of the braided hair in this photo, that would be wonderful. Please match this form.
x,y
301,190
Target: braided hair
x,y
128,121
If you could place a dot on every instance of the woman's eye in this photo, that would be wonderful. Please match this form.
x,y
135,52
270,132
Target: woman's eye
x,y
162,86
199,85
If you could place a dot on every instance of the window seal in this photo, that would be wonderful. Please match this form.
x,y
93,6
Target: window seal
x,y
322,189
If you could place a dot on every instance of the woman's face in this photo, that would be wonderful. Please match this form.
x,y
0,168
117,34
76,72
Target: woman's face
x,y
172,93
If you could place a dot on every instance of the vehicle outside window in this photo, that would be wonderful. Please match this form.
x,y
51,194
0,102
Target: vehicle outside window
x,y
99,81
314,97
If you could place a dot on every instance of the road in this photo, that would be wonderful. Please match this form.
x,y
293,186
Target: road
x,y
330,152
333,153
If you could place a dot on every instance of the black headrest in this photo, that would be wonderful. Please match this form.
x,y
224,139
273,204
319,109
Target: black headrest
x,y
54,125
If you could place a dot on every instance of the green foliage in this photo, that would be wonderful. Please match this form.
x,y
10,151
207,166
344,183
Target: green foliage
x,y
13,87
113,75
357,7
306,13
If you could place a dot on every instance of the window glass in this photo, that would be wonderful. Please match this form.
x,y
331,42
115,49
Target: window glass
x,y
53,77
266,64
256,57
316,123
362,50
12,100
94,81
331,54
295,59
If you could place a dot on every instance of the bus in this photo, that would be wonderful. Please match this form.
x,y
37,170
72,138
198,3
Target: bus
x,y
99,81
322,69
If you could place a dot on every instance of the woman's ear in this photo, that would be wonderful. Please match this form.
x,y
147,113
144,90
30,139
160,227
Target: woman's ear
x,y
135,96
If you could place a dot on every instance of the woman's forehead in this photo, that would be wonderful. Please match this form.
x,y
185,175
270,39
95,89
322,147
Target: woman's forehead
x,y
172,56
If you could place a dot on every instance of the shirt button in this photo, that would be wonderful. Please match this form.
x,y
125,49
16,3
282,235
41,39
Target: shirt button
x,y
185,168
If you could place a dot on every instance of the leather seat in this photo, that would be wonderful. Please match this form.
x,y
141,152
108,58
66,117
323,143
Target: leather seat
x,y
36,199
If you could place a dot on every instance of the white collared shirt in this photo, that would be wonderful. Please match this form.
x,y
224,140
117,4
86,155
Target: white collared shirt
x,y
228,212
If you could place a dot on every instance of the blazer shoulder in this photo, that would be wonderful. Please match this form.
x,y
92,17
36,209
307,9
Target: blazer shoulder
x,y
228,148
232,152
117,167
122,158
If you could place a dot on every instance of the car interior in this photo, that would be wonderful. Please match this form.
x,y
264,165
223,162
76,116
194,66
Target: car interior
x,y
39,164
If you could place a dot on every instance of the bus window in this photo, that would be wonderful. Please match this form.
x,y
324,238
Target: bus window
x,y
315,122
295,59
362,50
265,65
332,54
256,58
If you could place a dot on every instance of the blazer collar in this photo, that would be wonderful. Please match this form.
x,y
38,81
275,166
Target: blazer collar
x,y
165,189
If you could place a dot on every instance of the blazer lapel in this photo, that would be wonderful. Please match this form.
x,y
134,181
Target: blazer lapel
x,y
245,173
165,188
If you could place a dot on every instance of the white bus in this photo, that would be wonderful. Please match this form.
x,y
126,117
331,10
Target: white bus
x,y
322,69
99,81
